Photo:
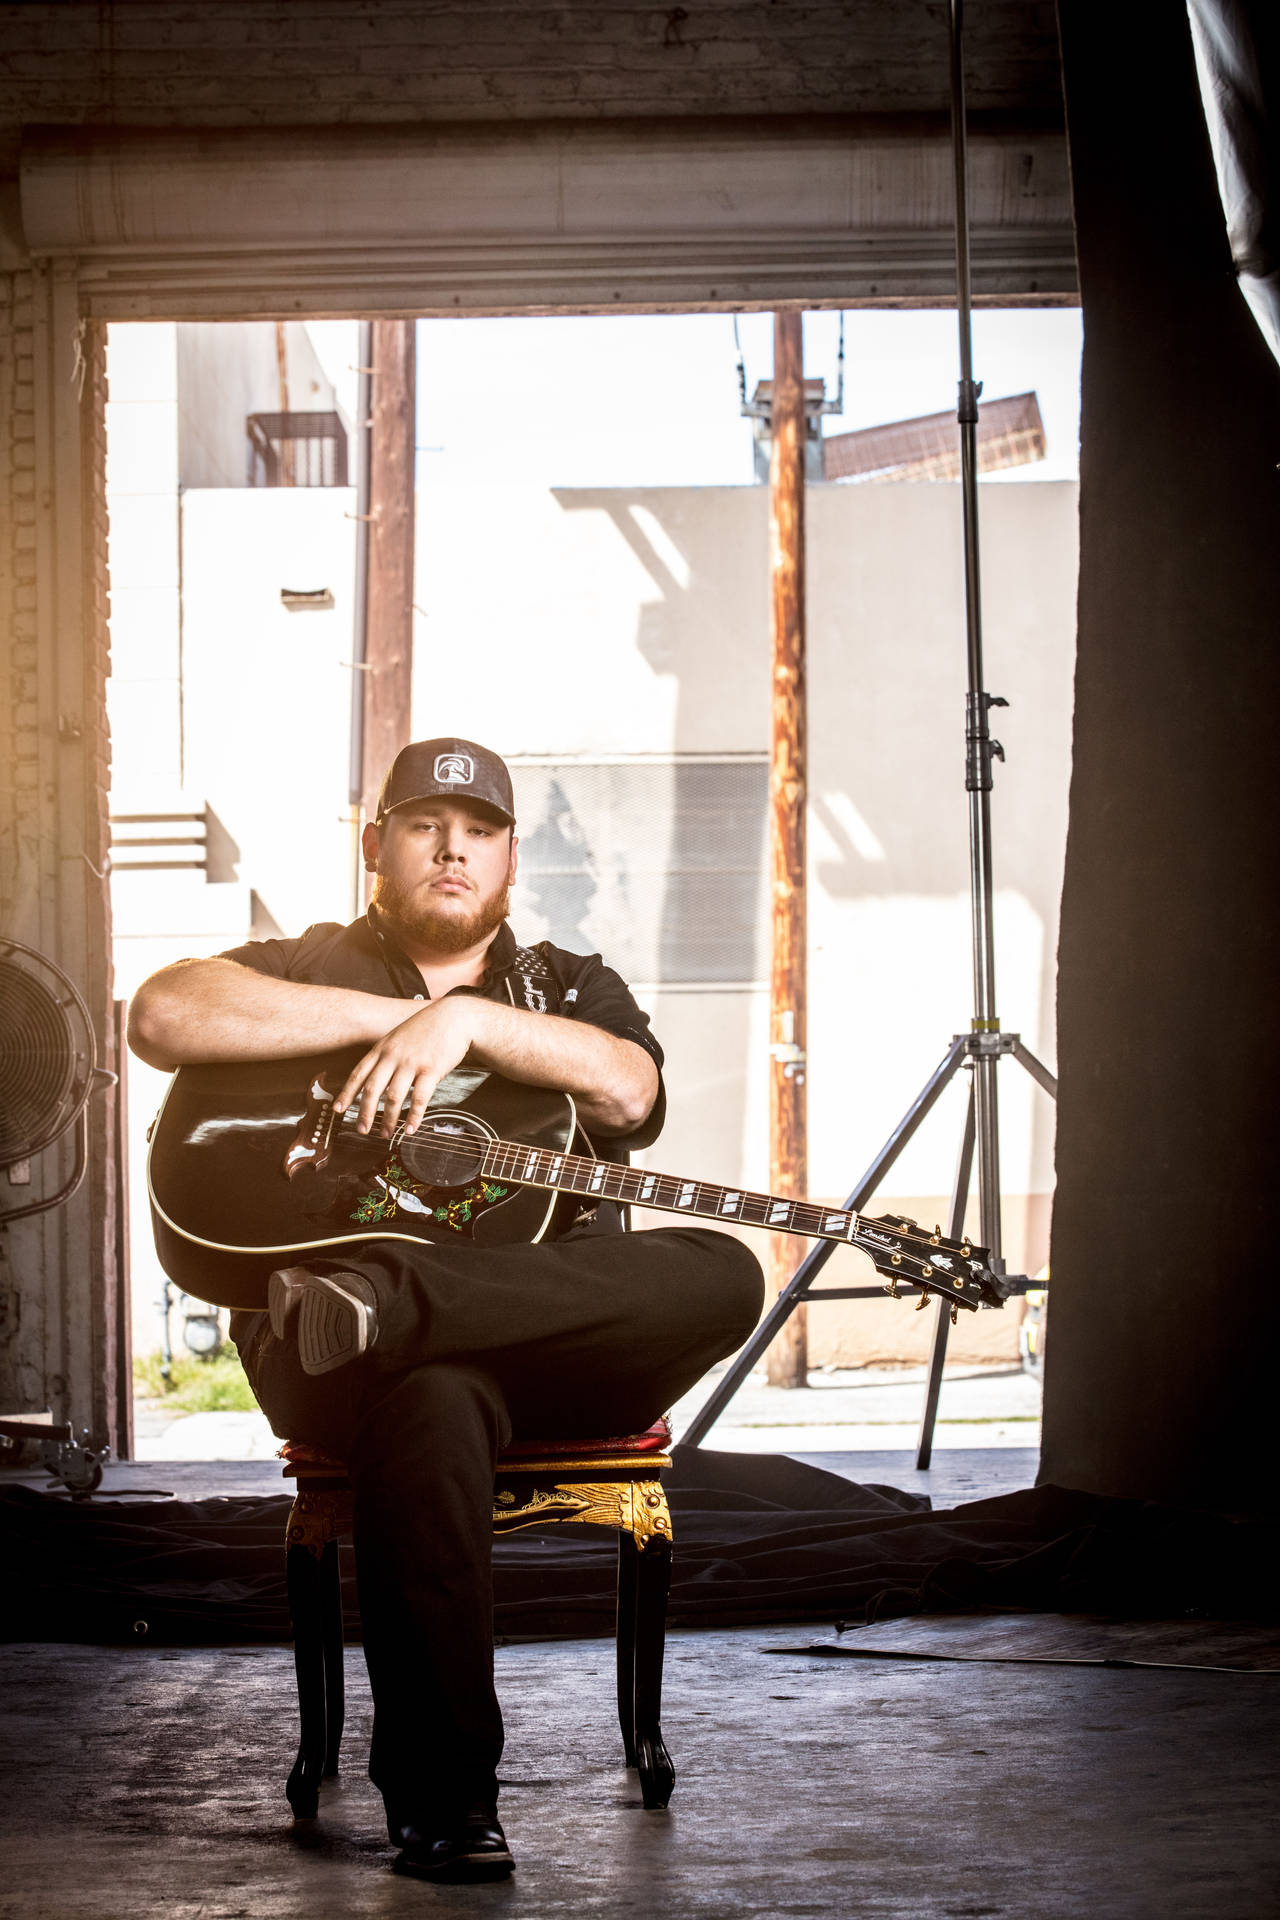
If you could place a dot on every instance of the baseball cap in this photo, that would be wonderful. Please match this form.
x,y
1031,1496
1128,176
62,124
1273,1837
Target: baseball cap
x,y
454,769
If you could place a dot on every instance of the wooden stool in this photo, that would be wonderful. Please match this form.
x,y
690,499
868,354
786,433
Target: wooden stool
x,y
605,1483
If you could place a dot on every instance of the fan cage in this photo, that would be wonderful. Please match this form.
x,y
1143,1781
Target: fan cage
x,y
46,1053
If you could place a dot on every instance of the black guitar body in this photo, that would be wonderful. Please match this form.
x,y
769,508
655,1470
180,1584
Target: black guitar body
x,y
251,1169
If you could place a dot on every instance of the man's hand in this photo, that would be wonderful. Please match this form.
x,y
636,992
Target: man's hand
x,y
411,1060
613,1082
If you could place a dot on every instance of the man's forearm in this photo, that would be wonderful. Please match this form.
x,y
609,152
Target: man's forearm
x,y
210,1010
217,1010
613,1081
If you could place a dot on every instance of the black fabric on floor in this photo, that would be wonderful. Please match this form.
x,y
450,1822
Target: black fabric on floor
x,y
759,1538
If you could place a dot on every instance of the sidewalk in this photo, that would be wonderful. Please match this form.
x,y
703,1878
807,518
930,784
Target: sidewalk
x,y
872,1409
853,1410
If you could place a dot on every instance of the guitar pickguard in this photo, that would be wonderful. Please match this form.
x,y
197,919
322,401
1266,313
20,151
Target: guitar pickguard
x,y
394,1190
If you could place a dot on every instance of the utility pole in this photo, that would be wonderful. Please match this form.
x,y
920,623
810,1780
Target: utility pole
x,y
388,626
288,473
788,1358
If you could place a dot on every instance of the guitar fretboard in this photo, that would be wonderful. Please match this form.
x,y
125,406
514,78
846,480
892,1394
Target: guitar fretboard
x,y
601,1179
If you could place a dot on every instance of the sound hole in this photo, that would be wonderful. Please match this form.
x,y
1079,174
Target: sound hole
x,y
446,1151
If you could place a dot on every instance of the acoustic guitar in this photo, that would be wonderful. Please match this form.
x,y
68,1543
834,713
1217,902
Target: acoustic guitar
x,y
251,1167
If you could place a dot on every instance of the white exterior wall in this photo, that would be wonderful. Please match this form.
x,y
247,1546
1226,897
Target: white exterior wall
x,y
268,691
144,692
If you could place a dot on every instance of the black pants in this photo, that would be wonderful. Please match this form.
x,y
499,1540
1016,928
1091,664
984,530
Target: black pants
x,y
575,1339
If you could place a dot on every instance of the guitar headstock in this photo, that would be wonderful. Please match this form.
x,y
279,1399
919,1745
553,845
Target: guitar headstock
x,y
956,1270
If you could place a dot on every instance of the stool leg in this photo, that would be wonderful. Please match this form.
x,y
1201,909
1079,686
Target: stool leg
x,y
657,1775
628,1581
334,1684
304,1579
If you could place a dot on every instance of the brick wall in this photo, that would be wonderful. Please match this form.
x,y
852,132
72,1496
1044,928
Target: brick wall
x,y
59,1314
110,1342
21,1370
18,706
280,62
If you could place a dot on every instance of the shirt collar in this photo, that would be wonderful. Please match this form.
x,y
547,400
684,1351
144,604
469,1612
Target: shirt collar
x,y
502,951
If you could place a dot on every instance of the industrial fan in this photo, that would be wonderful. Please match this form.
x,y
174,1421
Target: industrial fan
x,y
47,1067
47,1074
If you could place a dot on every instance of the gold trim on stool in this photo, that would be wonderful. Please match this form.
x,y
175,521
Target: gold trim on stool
x,y
637,1507
317,1518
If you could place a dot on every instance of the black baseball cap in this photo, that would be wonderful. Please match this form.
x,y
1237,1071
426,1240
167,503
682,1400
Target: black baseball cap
x,y
453,769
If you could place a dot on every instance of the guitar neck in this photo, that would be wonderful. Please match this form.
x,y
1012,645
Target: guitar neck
x,y
604,1180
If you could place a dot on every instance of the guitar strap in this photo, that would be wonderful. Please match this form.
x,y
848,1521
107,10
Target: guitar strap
x,y
532,984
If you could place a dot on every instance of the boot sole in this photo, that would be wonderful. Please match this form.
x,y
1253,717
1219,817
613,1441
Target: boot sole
x,y
334,1327
467,1867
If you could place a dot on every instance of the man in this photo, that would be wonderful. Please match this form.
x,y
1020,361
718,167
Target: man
x,y
417,1364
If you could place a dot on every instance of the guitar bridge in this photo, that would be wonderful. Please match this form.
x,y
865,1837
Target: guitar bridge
x,y
314,1139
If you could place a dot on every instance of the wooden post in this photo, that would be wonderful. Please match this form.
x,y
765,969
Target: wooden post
x,y
389,618
788,1174
288,474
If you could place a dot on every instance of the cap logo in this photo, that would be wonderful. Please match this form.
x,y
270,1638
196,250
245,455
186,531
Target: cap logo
x,y
455,769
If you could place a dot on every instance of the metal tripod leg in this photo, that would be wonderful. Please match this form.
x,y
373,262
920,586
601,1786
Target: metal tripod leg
x,y
942,1325
798,1286
1036,1068
964,1172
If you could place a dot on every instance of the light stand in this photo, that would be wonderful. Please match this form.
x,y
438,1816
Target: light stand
x,y
981,1049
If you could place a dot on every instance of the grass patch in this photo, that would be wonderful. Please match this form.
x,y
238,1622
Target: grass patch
x,y
195,1385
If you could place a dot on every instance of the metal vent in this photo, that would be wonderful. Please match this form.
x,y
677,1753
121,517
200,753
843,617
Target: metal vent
x,y
156,842
657,863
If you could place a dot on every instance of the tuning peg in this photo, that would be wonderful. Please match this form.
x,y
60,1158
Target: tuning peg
x,y
895,1259
965,1251
923,1301
926,1273
892,1288
955,1311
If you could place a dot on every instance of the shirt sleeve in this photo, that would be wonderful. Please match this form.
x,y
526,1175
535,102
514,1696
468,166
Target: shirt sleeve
x,y
287,959
595,993
263,956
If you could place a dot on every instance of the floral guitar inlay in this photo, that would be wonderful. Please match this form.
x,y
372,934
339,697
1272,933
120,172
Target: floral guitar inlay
x,y
399,1189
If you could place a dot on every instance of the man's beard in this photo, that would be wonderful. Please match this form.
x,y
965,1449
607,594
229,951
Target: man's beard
x,y
446,931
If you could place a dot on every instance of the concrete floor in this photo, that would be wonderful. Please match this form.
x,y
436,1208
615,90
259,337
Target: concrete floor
x,y
149,1783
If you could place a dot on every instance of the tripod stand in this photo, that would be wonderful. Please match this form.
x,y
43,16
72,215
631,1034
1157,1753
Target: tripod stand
x,y
981,1049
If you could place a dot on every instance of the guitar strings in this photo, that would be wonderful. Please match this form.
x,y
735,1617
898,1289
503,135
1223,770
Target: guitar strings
x,y
513,1152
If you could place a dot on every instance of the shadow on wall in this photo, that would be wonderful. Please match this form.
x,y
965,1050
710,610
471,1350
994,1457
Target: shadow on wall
x,y
559,871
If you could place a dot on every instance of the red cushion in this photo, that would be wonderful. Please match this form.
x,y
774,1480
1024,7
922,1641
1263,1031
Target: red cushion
x,y
300,1453
653,1440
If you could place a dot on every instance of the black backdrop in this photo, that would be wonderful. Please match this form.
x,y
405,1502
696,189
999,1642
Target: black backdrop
x,y
1164,1332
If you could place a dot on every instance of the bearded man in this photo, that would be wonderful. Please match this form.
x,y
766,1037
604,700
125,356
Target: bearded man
x,y
418,1363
